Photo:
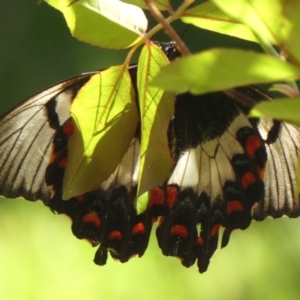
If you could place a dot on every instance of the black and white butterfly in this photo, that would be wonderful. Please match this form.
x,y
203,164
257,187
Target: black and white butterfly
x,y
227,171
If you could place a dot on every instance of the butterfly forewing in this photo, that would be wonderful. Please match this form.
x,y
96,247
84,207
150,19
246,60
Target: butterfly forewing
x,y
26,137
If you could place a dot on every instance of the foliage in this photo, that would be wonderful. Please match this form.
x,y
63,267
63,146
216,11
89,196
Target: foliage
x,y
33,267
124,26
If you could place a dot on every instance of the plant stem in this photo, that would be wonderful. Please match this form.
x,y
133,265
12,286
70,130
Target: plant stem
x,y
159,27
166,23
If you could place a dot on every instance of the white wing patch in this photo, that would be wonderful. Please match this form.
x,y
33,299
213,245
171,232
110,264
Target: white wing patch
x,y
207,167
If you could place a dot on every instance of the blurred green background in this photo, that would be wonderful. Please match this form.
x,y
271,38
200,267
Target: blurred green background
x,y
39,256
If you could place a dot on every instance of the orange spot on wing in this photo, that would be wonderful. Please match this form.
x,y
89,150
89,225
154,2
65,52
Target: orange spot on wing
x,y
234,206
248,179
215,230
171,195
53,156
68,128
156,197
93,218
63,163
261,172
115,235
80,197
138,228
199,241
252,144
179,230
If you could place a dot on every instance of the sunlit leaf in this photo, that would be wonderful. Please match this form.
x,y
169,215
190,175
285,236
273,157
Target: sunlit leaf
x,y
128,15
157,108
275,20
108,25
282,109
160,4
208,16
142,203
105,116
219,69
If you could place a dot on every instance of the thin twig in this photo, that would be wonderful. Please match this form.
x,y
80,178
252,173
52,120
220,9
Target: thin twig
x,y
168,28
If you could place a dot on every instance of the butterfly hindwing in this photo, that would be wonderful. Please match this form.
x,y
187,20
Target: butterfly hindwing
x,y
215,181
105,216
283,148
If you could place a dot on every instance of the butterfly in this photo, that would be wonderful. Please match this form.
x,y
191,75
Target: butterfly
x,y
227,170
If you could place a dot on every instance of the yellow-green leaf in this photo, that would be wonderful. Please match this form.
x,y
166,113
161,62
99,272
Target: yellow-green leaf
x,y
220,69
107,25
286,109
208,16
127,15
275,20
160,4
157,108
105,116
142,203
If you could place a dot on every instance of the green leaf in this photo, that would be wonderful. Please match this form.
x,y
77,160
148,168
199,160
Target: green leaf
x,y
208,16
110,25
142,203
160,4
219,69
157,108
105,116
275,20
285,109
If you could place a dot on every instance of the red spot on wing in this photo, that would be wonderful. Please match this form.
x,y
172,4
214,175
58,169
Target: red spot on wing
x,y
115,235
234,206
156,197
248,179
252,144
79,198
214,231
68,128
171,195
63,163
93,218
199,241
179,230
138,228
